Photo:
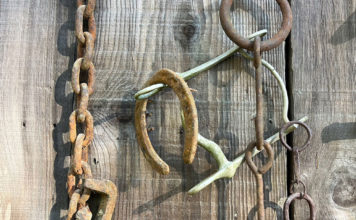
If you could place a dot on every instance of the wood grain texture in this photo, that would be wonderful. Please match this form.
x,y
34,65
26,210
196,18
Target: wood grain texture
x,y
324,88
135,39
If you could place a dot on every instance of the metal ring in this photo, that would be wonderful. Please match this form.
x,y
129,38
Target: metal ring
x,y
282,136
89,127
187,103
294,196
252,165
269,44
293,183
76,73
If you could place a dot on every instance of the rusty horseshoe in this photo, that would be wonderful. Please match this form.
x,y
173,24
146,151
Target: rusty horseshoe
x,y
188,107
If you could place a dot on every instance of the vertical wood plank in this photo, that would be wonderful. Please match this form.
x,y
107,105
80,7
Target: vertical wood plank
x,y
29,66
323,86
136,39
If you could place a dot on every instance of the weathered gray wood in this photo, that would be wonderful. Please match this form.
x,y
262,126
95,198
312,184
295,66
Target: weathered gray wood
x,y
323,79
34,67
135,39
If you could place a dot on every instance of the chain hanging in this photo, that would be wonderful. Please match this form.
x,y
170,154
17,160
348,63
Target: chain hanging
x,y
297,181
80,181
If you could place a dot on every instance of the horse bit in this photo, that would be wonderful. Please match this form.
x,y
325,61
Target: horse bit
x,y
80,182
227,169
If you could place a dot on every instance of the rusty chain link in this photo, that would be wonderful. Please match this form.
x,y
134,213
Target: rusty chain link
x,y
260,143
79,178
297,181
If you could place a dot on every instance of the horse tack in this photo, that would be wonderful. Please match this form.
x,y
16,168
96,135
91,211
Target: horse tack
x,y
295,151
227,168
186,99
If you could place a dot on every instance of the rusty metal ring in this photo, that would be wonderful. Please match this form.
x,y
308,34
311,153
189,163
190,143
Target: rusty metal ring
x,y
187,103
76,74
247,44
299,196
89,127
297,182
252,165
79,20
282,136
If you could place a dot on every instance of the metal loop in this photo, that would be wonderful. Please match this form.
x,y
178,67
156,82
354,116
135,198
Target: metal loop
x,y
252,165
83,102
298,196
245,43
79,22
297,182
188,107
90,6
76,74
89,127
282,136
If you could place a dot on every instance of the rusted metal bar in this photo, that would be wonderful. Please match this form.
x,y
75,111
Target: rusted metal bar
x,y
276,40
259,95
187,103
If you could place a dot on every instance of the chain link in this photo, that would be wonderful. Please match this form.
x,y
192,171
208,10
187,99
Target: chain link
x,y
297,181
83,79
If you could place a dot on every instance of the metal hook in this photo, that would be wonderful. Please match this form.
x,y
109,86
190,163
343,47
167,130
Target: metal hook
x,y
187,103
107,204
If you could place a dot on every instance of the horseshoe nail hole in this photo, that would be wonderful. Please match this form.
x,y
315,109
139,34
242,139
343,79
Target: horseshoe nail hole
x,y
270,121
95,161
54,125
24,124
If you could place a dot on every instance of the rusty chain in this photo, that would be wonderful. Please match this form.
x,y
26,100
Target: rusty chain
x,y
80,181
297,181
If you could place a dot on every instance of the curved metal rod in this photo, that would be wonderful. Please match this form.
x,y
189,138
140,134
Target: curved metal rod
x,y
227,169
151,90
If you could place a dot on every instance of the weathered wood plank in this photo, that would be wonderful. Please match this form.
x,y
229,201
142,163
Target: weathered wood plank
x,y
28,70
136,39
323,79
